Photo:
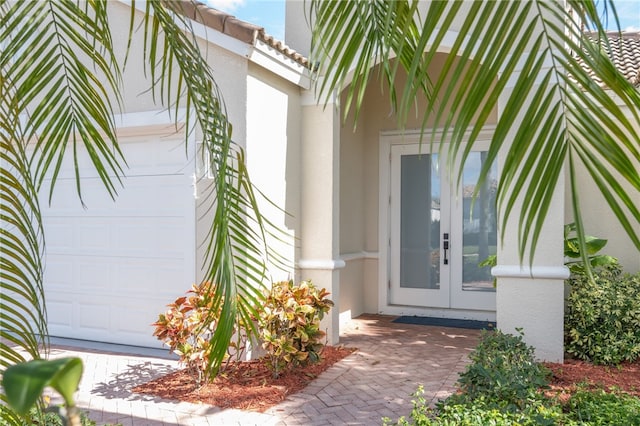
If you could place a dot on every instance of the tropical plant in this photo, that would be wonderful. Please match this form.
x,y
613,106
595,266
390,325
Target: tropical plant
x,y
25,382
60,85
478,413
181,328
289,324
602,318
600,407
531,56
503,370
593,246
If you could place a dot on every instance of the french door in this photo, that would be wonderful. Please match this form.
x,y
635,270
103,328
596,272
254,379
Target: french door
x,y
437,233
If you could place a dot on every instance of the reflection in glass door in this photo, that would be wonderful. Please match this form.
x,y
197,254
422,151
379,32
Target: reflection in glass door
x,y
474,236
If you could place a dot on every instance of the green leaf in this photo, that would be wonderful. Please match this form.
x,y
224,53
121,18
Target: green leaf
x,y
24,383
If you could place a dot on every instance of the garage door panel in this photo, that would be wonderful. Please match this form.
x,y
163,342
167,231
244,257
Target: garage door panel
x,y
140,237
167,158
137,236
127,315
161,280
92,234
59,234
60,314
120,277
58,274
92,275
113,267
93,317
156,195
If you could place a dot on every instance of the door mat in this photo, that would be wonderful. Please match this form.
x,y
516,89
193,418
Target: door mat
x,y
446,322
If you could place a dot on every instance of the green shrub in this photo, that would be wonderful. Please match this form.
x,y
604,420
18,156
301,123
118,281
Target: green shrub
x,y
503,370
478,412
52,418
602,408
181,328
289,324
602,320
420,414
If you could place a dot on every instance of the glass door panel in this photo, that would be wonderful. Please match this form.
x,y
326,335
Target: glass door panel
x,y
419,211
479,236
419,221
437,233
475,238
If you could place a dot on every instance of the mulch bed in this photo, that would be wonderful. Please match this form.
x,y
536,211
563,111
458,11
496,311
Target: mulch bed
x,y
245,385
571,375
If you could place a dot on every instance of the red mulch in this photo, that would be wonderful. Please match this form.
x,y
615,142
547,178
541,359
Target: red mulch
x,y
251,386
245,385
573,373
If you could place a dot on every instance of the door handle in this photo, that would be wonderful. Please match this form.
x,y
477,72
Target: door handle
x,y
445,247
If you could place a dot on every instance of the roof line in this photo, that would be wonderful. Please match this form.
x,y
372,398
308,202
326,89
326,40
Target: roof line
x,y
233,27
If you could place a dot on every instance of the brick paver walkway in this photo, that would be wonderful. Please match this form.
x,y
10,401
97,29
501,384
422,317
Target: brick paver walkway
x,y
374,382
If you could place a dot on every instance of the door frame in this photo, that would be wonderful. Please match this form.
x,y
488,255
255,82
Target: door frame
x,y
386,140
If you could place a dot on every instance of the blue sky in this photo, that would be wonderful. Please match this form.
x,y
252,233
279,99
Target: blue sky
x,y
266,13
270,13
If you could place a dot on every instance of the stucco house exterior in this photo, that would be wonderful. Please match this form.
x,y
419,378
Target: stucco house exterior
x,y
358,223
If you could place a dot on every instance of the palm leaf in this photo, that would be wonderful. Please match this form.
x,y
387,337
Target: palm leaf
x,y
523,55
236,252
22,310
57,74
61,63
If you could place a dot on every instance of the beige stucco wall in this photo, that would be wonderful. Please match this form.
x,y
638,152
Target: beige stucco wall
x,y
600,221
264,111
230,72
298,34
273,159
359,190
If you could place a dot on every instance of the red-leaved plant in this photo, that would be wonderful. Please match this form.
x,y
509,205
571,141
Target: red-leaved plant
x,y
187,326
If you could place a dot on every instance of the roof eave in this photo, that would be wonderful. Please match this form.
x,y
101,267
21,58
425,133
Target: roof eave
x,y
271,59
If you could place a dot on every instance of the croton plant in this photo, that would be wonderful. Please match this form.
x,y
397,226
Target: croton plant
x,y
288,325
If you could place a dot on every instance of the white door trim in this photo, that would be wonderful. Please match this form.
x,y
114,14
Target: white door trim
x,y
386,141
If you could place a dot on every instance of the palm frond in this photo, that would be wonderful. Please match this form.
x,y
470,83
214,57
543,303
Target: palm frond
x,y
60,60
57,74
236,251
532,61
364,32
23,328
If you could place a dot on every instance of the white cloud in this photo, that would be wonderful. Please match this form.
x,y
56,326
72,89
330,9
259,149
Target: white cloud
x,y
228,6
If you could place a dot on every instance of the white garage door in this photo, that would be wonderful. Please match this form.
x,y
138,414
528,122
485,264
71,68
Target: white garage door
x,y
111,268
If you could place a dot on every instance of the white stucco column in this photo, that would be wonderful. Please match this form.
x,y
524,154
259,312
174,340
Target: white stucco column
x,y
320,201
531,298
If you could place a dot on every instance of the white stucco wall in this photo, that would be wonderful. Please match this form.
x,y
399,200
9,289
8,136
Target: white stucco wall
x,y
230,72
600,221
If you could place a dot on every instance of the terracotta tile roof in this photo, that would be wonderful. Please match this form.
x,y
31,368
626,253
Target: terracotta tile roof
x,y
233,27
625,53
